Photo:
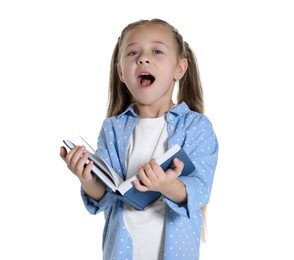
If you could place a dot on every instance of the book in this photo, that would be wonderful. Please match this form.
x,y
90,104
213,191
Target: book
x,y
124,189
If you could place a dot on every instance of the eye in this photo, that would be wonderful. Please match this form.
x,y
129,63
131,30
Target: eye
x,y
157,52
133,53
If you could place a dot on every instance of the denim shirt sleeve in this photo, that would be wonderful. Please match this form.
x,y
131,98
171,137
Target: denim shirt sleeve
x,y
202,147
94,206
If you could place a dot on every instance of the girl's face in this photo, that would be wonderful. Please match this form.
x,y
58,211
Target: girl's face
x,y
149,64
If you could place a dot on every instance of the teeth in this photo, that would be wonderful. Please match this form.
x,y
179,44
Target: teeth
x,y
143,74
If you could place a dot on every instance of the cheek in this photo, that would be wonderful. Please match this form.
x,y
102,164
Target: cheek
x,y
128,70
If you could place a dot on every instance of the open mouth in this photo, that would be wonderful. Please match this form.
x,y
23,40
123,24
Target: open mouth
x,y
146,79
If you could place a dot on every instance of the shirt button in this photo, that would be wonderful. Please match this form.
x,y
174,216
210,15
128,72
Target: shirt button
x,y
171,117
171,128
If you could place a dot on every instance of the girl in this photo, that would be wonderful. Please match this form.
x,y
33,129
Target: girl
x,y
142,123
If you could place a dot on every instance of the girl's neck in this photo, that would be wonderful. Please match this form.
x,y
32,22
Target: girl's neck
x,y
145,111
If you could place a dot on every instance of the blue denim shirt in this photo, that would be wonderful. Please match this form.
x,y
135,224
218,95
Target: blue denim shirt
x,y
193,132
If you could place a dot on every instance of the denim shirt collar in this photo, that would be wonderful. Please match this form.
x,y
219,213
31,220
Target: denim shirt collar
x,y
179,109
129,111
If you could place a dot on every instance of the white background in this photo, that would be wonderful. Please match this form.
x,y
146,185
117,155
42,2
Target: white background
x,y
54,67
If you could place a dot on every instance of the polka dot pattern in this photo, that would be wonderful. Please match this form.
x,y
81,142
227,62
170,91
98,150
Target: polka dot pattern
x,y
193,132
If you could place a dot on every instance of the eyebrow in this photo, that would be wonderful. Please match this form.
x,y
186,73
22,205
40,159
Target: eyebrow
x,y
157,42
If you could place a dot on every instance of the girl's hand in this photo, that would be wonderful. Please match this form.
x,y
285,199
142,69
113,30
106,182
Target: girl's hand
x,y
153,178
75,160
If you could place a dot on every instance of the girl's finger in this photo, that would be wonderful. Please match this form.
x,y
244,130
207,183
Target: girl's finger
x,y
156,168
140,187
143,177
80,165
150,172
63,152
70,154
75,156
86,174
179,165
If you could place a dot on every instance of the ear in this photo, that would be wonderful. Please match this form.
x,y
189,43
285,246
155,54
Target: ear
x,y
181,70
119,72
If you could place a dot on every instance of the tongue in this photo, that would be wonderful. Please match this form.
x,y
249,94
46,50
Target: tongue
x,y
145,82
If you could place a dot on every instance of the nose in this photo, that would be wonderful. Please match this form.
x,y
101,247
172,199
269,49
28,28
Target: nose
x,y
143,59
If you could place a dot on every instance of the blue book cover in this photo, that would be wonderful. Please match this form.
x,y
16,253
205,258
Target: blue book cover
x,y
124,190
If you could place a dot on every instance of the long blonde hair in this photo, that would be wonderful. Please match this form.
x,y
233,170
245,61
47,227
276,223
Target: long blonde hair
x,y
190,89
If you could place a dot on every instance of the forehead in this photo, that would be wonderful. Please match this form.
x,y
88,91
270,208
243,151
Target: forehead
x,y
149,32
